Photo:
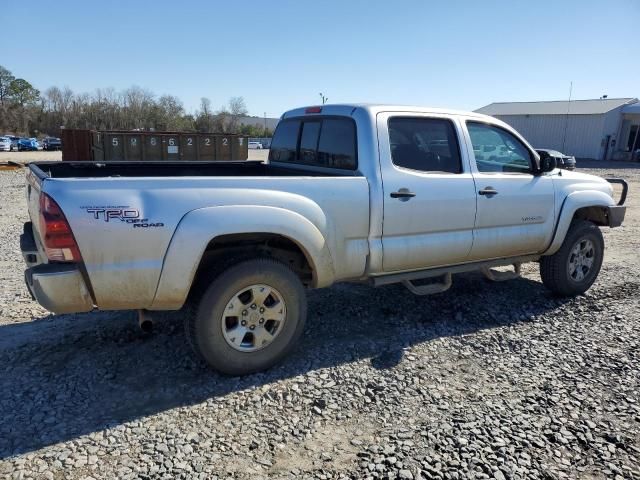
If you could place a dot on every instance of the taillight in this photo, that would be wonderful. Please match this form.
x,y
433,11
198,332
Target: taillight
x,y
59,243
313,110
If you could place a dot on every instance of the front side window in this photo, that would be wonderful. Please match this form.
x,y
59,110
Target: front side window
x,y
424,144
320,141
497,150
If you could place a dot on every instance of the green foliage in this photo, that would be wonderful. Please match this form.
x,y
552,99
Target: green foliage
x,y
25,111
5,80
22,92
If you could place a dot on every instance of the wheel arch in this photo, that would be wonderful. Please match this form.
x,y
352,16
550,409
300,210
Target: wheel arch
x,y
584,205
238,246
206,236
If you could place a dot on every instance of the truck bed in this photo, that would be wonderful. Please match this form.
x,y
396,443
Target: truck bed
x,y
125,261
175,169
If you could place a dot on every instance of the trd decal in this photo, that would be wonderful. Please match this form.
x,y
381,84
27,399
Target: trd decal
x,y
108,214
124,214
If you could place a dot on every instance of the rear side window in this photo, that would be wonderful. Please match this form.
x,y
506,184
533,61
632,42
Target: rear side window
x,y
424,144
285,142
324,142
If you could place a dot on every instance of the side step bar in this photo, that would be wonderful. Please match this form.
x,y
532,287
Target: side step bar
x,y
406,278
430,288
498,276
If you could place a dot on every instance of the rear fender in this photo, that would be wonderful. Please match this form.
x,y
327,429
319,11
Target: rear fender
x,y
198,227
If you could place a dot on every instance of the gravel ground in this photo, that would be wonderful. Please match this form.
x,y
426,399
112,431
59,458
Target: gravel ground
x,y
483,381
24,157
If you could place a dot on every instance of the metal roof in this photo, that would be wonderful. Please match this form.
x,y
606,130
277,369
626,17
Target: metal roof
x,y
259,121
635,108
557,107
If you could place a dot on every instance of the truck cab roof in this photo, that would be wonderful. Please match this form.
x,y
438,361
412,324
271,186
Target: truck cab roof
x,y
372,109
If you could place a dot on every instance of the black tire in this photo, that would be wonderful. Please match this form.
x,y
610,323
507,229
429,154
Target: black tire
x,y
204,326
554,269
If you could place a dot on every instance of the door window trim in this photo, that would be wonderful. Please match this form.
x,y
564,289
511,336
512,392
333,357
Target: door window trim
x,y
498,127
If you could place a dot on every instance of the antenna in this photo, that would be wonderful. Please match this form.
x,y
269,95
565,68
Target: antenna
x,y
566,119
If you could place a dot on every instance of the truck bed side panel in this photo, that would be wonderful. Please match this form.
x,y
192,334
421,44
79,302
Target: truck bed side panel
x,y
124,226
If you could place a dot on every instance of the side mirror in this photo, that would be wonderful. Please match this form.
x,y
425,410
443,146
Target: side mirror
x,y
547,162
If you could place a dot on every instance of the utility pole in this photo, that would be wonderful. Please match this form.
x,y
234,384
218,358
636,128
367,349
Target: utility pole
x,y
324,99
265,123
566,120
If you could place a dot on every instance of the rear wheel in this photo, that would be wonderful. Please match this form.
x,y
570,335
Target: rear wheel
x,y
573,269
249,317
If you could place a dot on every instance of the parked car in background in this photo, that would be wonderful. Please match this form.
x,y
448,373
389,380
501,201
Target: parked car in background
x,y
51,143
255,146
562,161
5,144
14,142
37,144
26,144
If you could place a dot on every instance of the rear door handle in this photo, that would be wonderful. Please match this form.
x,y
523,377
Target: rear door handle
x,y
403,194
488,191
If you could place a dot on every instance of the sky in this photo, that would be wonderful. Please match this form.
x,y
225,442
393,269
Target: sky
x,y
280,55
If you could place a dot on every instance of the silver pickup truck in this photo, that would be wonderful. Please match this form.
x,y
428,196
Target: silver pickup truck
x,y
357,193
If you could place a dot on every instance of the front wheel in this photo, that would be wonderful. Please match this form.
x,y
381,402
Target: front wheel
x,y
249,318
575,266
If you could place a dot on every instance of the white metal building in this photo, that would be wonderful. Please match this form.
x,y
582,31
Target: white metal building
x,y
597,129
264,122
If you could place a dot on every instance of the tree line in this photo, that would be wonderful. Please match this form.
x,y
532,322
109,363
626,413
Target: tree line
x,y
26,111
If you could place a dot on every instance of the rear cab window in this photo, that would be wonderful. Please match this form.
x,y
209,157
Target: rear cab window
x,y
328,142
285,141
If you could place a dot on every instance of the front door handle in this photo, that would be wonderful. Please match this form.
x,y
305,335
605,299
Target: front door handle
x,y
403,194
488,191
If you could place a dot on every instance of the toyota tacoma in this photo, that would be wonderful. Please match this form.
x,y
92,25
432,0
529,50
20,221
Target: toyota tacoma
x,y
358,193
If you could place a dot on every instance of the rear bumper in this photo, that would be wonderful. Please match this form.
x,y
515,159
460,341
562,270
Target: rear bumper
x,y
29,248
58,287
